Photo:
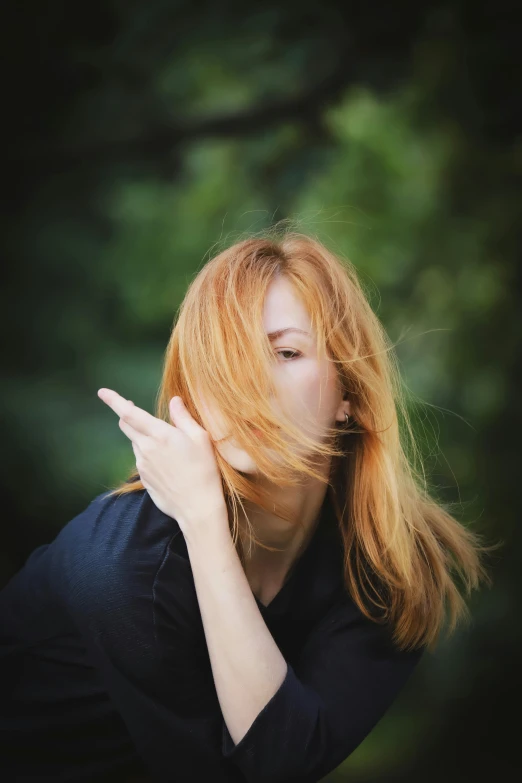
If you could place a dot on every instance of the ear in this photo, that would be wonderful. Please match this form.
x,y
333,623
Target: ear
x,y
344,407
348,403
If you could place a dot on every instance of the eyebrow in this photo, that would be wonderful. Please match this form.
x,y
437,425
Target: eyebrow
x,y
279,332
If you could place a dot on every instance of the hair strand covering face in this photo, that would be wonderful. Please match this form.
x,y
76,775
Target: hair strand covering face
x,y
403,552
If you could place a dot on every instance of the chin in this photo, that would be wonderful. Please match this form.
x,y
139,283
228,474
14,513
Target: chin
x,y
238,458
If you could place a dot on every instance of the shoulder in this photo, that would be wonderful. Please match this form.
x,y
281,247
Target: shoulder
x,y
130,583
115,546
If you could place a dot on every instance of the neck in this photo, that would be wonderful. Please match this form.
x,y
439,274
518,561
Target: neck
x,y
288,538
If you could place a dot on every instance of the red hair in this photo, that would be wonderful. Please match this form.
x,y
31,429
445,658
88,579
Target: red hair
x,y
395,535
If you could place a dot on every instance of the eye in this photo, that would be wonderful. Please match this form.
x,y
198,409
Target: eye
x,y
288,350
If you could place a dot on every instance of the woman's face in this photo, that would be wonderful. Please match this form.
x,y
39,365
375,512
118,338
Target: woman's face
x,y
308,389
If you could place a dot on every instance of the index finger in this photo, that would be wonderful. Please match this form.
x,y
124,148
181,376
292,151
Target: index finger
x,y
139,419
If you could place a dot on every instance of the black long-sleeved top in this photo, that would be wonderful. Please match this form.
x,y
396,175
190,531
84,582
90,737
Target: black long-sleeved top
x,y
105,672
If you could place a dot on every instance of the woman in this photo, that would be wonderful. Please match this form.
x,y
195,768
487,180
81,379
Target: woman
x,y
251,600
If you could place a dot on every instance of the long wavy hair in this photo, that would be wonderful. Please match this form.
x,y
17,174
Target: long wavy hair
x,y
405,555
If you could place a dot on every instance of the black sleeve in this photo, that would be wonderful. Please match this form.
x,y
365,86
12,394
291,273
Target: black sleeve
x,y
346,677
161,694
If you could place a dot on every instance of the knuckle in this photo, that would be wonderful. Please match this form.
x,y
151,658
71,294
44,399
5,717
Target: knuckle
x,y
127,413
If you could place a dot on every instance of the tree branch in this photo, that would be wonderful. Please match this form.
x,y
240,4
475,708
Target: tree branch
x,y
158,142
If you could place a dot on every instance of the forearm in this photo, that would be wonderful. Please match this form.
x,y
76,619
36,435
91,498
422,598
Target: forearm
x,y
247,666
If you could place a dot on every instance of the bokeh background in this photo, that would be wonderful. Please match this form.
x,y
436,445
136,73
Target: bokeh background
x,y
142,136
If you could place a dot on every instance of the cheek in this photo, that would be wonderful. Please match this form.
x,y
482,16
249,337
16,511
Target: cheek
x,y
307,396
313,388
215,426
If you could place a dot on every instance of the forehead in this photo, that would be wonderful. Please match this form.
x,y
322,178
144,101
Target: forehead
x,y
283,309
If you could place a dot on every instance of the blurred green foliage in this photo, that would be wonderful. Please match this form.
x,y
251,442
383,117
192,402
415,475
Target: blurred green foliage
x,y
161,153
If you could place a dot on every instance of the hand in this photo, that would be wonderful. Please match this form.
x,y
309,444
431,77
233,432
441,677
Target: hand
x,y
176,463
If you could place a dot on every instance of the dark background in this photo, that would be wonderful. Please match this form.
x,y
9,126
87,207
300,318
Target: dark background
x,y
137,135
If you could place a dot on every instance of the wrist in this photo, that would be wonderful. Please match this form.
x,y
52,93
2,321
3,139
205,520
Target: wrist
x,y
214,530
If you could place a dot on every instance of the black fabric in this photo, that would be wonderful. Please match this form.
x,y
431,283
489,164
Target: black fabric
x,y
105,673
